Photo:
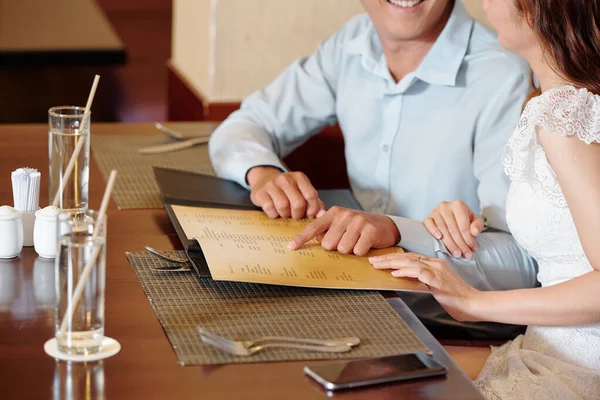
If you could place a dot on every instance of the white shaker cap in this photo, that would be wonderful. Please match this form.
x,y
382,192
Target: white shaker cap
x,y
8,213
49,212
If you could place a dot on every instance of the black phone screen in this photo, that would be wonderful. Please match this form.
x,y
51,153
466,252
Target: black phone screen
x,y
376,370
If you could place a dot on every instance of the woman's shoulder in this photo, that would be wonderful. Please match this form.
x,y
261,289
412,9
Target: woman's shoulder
x,y
567,111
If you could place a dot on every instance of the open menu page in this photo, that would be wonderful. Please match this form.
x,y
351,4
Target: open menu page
x,y
248,246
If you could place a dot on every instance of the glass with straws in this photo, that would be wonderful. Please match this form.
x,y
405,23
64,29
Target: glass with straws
x,y
81,237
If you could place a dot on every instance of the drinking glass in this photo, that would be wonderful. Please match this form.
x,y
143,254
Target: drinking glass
x,y
80,236
63,137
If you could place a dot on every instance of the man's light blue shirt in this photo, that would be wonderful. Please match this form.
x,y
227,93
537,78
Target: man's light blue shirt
x,y
436,135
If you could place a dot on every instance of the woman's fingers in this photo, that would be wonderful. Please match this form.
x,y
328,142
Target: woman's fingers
x,y
423,274
400,260
477,225
455,231
447,238
432,227
463,216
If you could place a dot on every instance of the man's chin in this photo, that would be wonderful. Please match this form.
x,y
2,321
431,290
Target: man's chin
x,y
409,29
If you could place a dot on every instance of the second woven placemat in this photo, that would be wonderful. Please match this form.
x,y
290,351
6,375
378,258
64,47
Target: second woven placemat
x,y
136,187
182,302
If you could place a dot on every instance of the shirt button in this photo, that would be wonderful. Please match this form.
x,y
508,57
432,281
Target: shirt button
x,y
378,203
385,148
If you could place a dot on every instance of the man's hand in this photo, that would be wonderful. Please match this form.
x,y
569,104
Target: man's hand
x,y
457,226
349,231
284,194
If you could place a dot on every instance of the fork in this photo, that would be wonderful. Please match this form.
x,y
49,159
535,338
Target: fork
x,y
249,347
166,256
177,264
238,349
171,269
169,147
182,142
348,341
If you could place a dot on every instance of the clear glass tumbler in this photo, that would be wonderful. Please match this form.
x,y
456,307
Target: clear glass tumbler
x,y
78,242
63,137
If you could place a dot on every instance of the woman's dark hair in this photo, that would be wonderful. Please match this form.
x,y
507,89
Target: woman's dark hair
x,y
569,31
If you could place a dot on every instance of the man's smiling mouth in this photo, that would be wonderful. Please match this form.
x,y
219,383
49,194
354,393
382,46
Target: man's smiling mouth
x,y
405,3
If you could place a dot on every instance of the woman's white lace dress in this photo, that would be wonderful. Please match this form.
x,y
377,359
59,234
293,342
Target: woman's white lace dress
x,y
547,362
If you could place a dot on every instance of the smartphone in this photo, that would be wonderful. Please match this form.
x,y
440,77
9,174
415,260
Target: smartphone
x,y
350,374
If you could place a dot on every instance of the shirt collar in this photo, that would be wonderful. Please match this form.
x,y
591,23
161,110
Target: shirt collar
x,y
441,64
367,45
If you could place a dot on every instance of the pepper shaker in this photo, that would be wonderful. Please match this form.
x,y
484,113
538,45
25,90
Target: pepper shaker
x,y
11,232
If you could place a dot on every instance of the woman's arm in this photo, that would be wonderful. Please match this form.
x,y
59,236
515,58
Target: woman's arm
x,y
574,302
577,167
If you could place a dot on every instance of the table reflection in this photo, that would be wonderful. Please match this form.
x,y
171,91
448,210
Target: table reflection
x,y
78,380
27,290
10,272
44,279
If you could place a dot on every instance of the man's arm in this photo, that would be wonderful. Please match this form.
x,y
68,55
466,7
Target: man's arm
x,y
275,120
248,146
499,262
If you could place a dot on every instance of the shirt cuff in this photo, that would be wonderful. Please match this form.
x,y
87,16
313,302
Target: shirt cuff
x,y
414,237
238,169
279,167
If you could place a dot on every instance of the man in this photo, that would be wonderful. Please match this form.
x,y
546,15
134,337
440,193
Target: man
x,y
426,100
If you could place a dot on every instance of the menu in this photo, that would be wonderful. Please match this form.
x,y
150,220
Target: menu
x,y
248,246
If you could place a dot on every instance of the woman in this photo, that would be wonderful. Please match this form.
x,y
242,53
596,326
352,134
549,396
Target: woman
x,y
553,210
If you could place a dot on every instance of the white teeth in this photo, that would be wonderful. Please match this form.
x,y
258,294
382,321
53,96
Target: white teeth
x,y
405,3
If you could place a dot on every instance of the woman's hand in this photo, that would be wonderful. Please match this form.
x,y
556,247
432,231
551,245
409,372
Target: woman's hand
x,y
453,293
457,226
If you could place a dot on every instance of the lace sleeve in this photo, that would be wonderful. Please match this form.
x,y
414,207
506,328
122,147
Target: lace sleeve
x,y
567,111
564,111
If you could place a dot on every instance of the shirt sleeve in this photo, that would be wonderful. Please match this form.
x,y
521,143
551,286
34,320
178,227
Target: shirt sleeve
x,y
275,120
500,263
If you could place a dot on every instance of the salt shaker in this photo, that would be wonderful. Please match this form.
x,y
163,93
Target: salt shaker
x,y
45,239
11,232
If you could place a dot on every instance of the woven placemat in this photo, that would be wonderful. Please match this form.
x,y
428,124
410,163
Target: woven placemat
x,y
136,186
182,302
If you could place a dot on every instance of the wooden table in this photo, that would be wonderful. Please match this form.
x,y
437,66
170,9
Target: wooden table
x,y
146,367
58,32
